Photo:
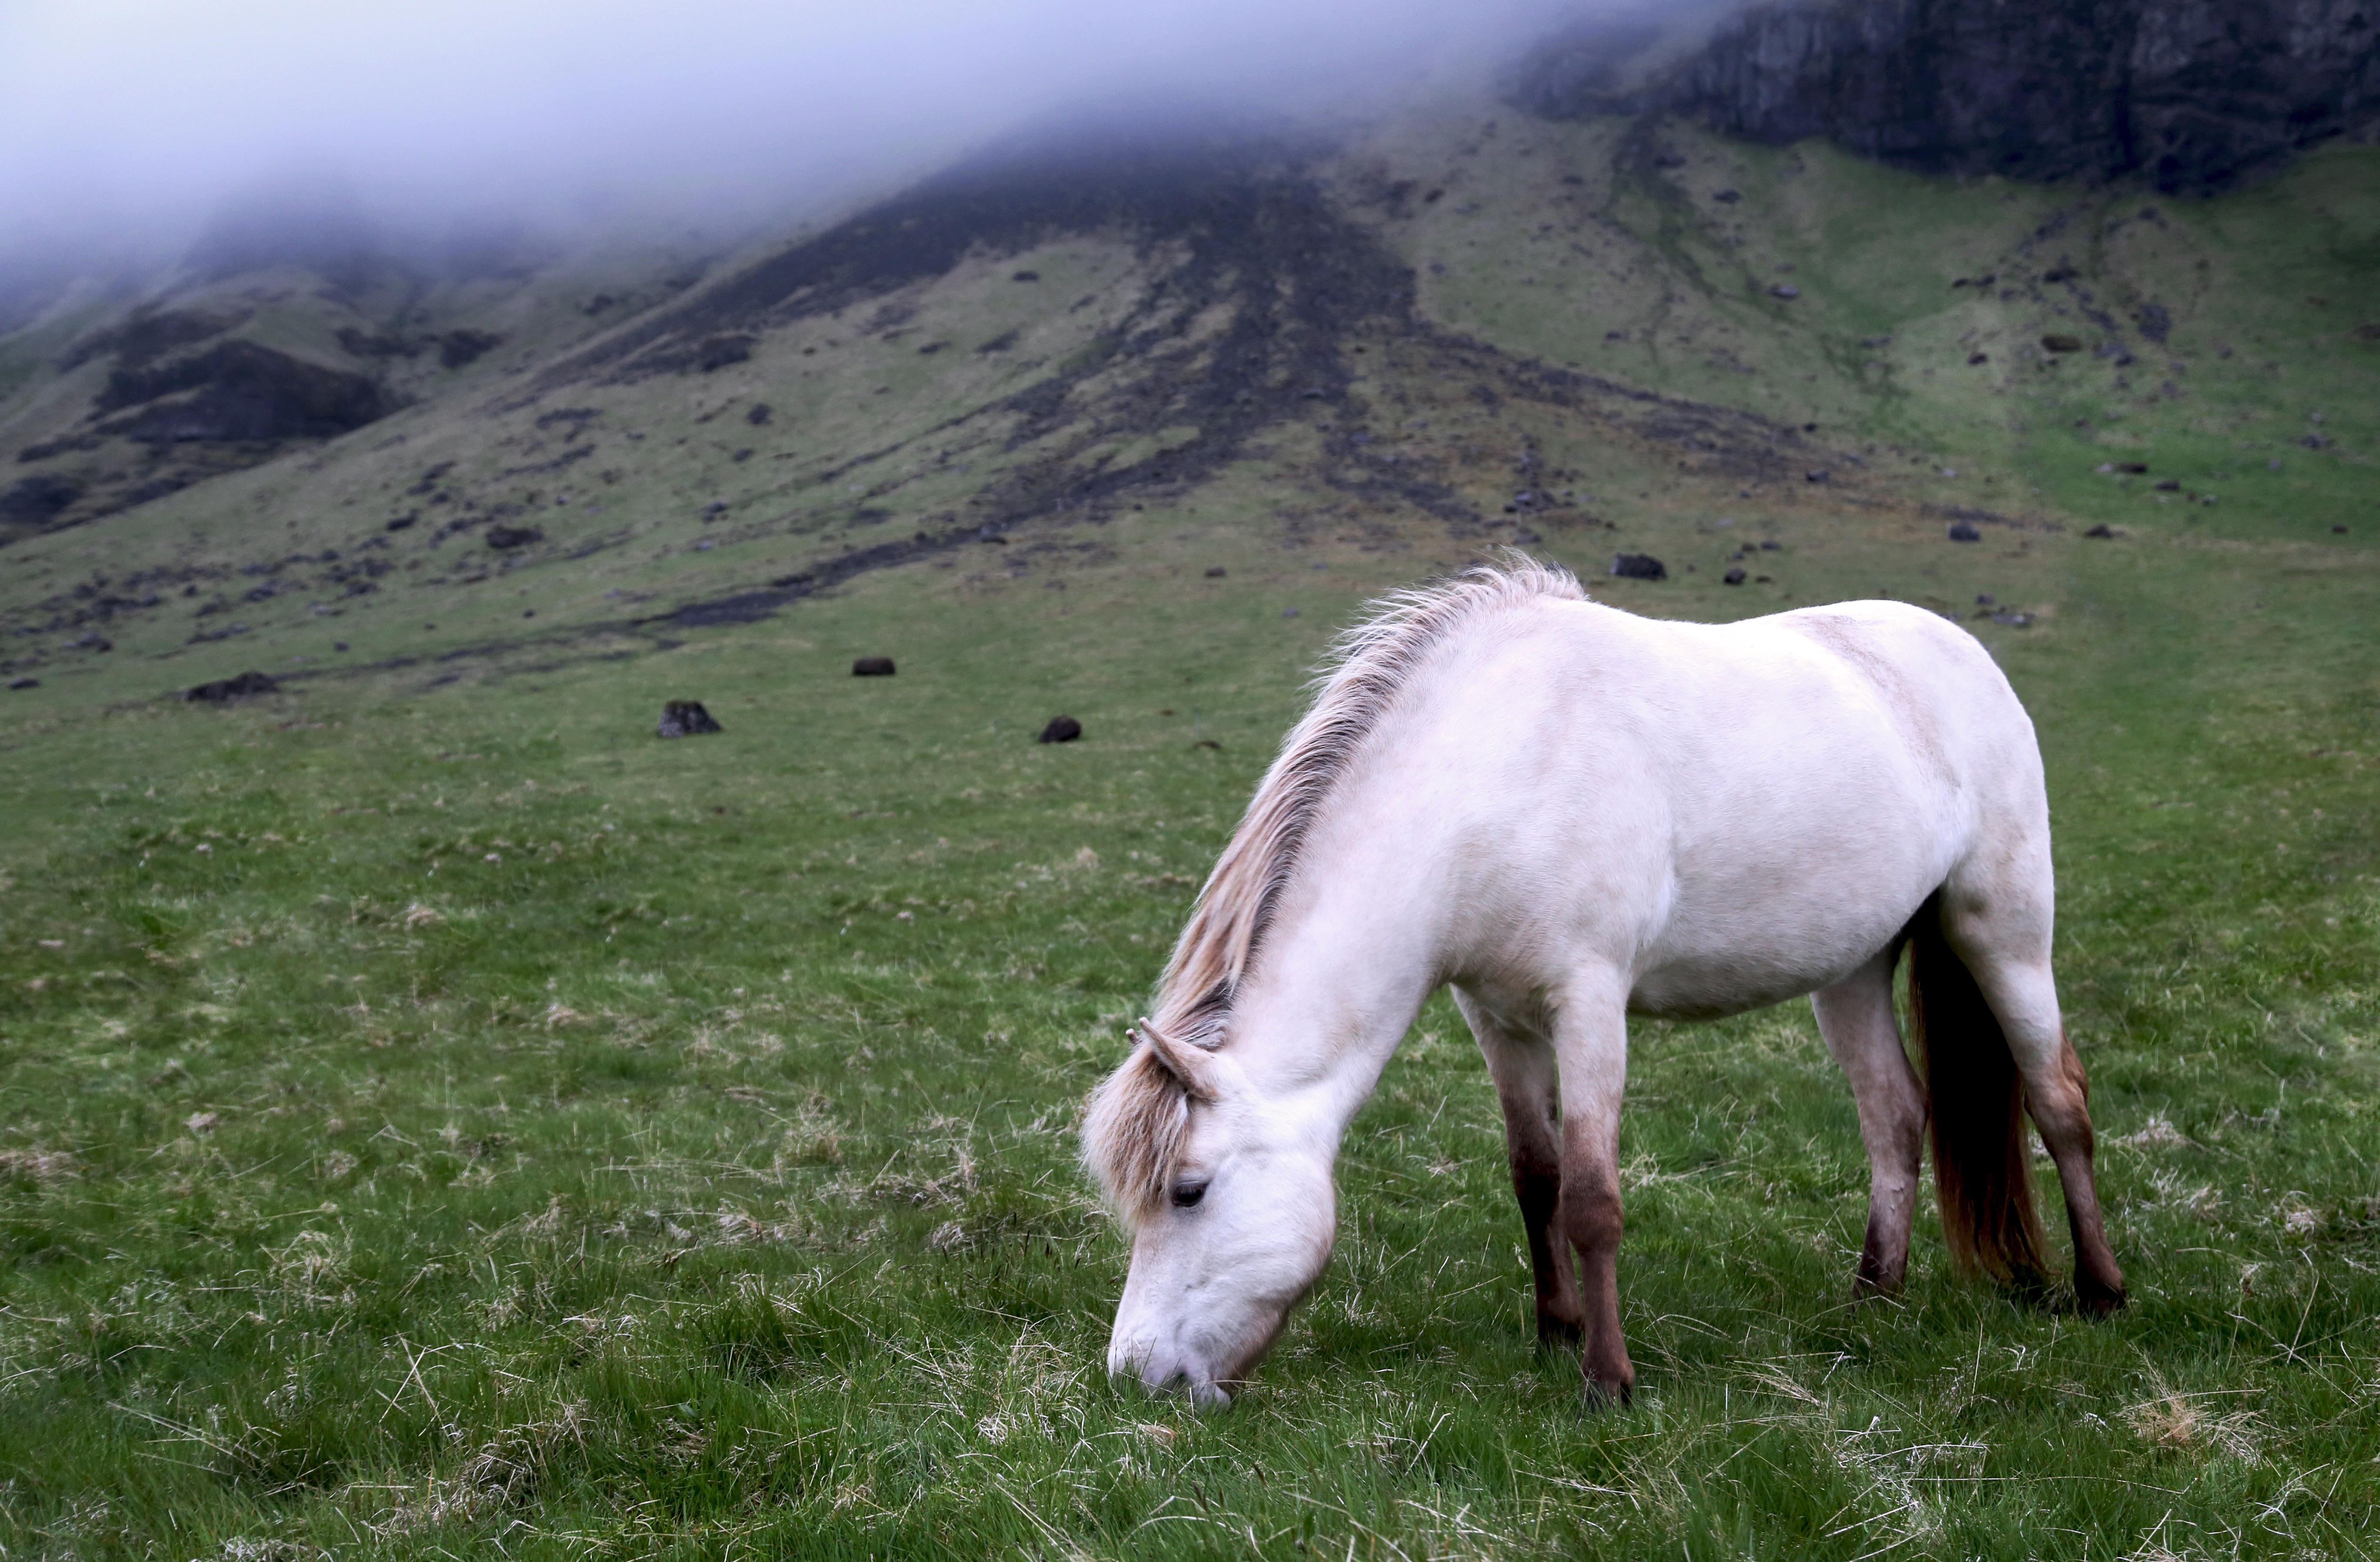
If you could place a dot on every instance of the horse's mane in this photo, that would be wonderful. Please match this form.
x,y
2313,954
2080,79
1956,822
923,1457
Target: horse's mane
x,y
1132,1134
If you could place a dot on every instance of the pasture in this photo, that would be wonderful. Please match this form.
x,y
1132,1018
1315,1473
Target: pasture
x,y
448,1120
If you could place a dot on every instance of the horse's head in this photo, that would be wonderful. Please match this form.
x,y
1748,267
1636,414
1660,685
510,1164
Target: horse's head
x,y
1231,1207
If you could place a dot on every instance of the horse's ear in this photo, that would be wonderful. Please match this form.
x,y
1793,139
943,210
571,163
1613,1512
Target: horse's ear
x,y
1192,1067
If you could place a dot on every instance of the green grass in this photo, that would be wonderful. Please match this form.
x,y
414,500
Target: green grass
x,y
437,1117
450,1121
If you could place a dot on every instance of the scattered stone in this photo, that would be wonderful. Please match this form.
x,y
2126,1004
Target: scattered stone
x,y
716,506
760,413
36,683
224,690
2012,618
1784,291
1638,567
1771,545
718,352
2170,485
2102,530
1975,358
504,538
1727,198
403,523
1985,599
1025,277
1734,577
1215,572
1062,729
2133,469
686,718
1289,612
1816,475
1962,533
2058,341
872,668
2341,530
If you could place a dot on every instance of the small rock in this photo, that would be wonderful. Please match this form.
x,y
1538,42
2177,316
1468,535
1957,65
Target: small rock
x,y
224,690
1062,729
1734,577
2102,530
2133,469
504,538
1962,533
1985,599
1784,291
1816,475
1638,567
1025,277
1727,196
2058,341
1975,358
758,414
2170,485
872,668
686,718
1215,572
36,683
1289,612
1771,545
2012,618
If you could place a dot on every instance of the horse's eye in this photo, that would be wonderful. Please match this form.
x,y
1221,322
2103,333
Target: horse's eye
x,y
1187,1194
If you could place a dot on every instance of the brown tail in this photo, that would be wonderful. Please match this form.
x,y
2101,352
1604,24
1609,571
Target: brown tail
x,y
1981,1173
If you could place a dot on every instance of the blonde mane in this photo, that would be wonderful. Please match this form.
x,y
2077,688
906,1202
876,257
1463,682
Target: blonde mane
x,y
1132,1134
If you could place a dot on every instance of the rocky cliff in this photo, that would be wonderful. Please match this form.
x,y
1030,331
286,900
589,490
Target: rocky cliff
x,y
2194,95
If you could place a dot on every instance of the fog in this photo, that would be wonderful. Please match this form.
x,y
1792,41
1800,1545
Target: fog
x,y
126,125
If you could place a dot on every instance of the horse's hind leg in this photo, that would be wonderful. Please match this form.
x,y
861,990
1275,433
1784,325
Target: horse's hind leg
x,y
1856,1017
2010,959
1528,1084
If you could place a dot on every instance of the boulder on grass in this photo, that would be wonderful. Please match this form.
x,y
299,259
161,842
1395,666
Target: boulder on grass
x,y
686,718
1638,567
872,668
1962,533
224,690
1062,729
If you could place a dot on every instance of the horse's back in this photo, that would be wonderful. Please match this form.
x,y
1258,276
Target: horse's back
x,y
1751,808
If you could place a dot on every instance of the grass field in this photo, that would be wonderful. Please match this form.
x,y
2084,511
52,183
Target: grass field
x,y
437,1117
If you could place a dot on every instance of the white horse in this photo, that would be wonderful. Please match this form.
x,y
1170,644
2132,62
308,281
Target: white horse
x,y
1572,813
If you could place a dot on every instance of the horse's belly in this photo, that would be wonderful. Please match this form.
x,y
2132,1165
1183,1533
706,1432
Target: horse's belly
x,y
1710,990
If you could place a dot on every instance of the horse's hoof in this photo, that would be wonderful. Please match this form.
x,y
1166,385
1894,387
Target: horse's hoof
x,y
1554,1330
2095,1301
1606,1397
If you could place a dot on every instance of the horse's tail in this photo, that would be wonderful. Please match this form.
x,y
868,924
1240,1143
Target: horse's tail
x,y
1981,1175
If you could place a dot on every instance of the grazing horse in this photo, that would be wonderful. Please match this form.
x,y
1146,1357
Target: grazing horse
x,y
1571,814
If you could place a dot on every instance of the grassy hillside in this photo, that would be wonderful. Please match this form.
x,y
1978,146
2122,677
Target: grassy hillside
x,y
435,1114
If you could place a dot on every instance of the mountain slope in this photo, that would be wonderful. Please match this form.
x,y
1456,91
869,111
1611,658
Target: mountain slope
x,y
1459,327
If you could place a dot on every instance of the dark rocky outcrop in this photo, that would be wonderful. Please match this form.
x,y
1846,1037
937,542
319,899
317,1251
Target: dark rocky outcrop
x,y
504,538
1639,567
872,668
238,390
38,500
2195,97
686,718
1062,729
456,348
225,691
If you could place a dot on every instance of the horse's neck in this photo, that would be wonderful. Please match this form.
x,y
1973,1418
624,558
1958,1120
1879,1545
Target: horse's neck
x,y
1342,969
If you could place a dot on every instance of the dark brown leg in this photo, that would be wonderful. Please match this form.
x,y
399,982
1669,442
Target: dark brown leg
x,y
1591,1039
1523,1067
2024,997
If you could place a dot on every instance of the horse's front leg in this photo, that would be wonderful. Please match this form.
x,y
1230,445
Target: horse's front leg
x,y
1591,1042
1528,1084
1856,1017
